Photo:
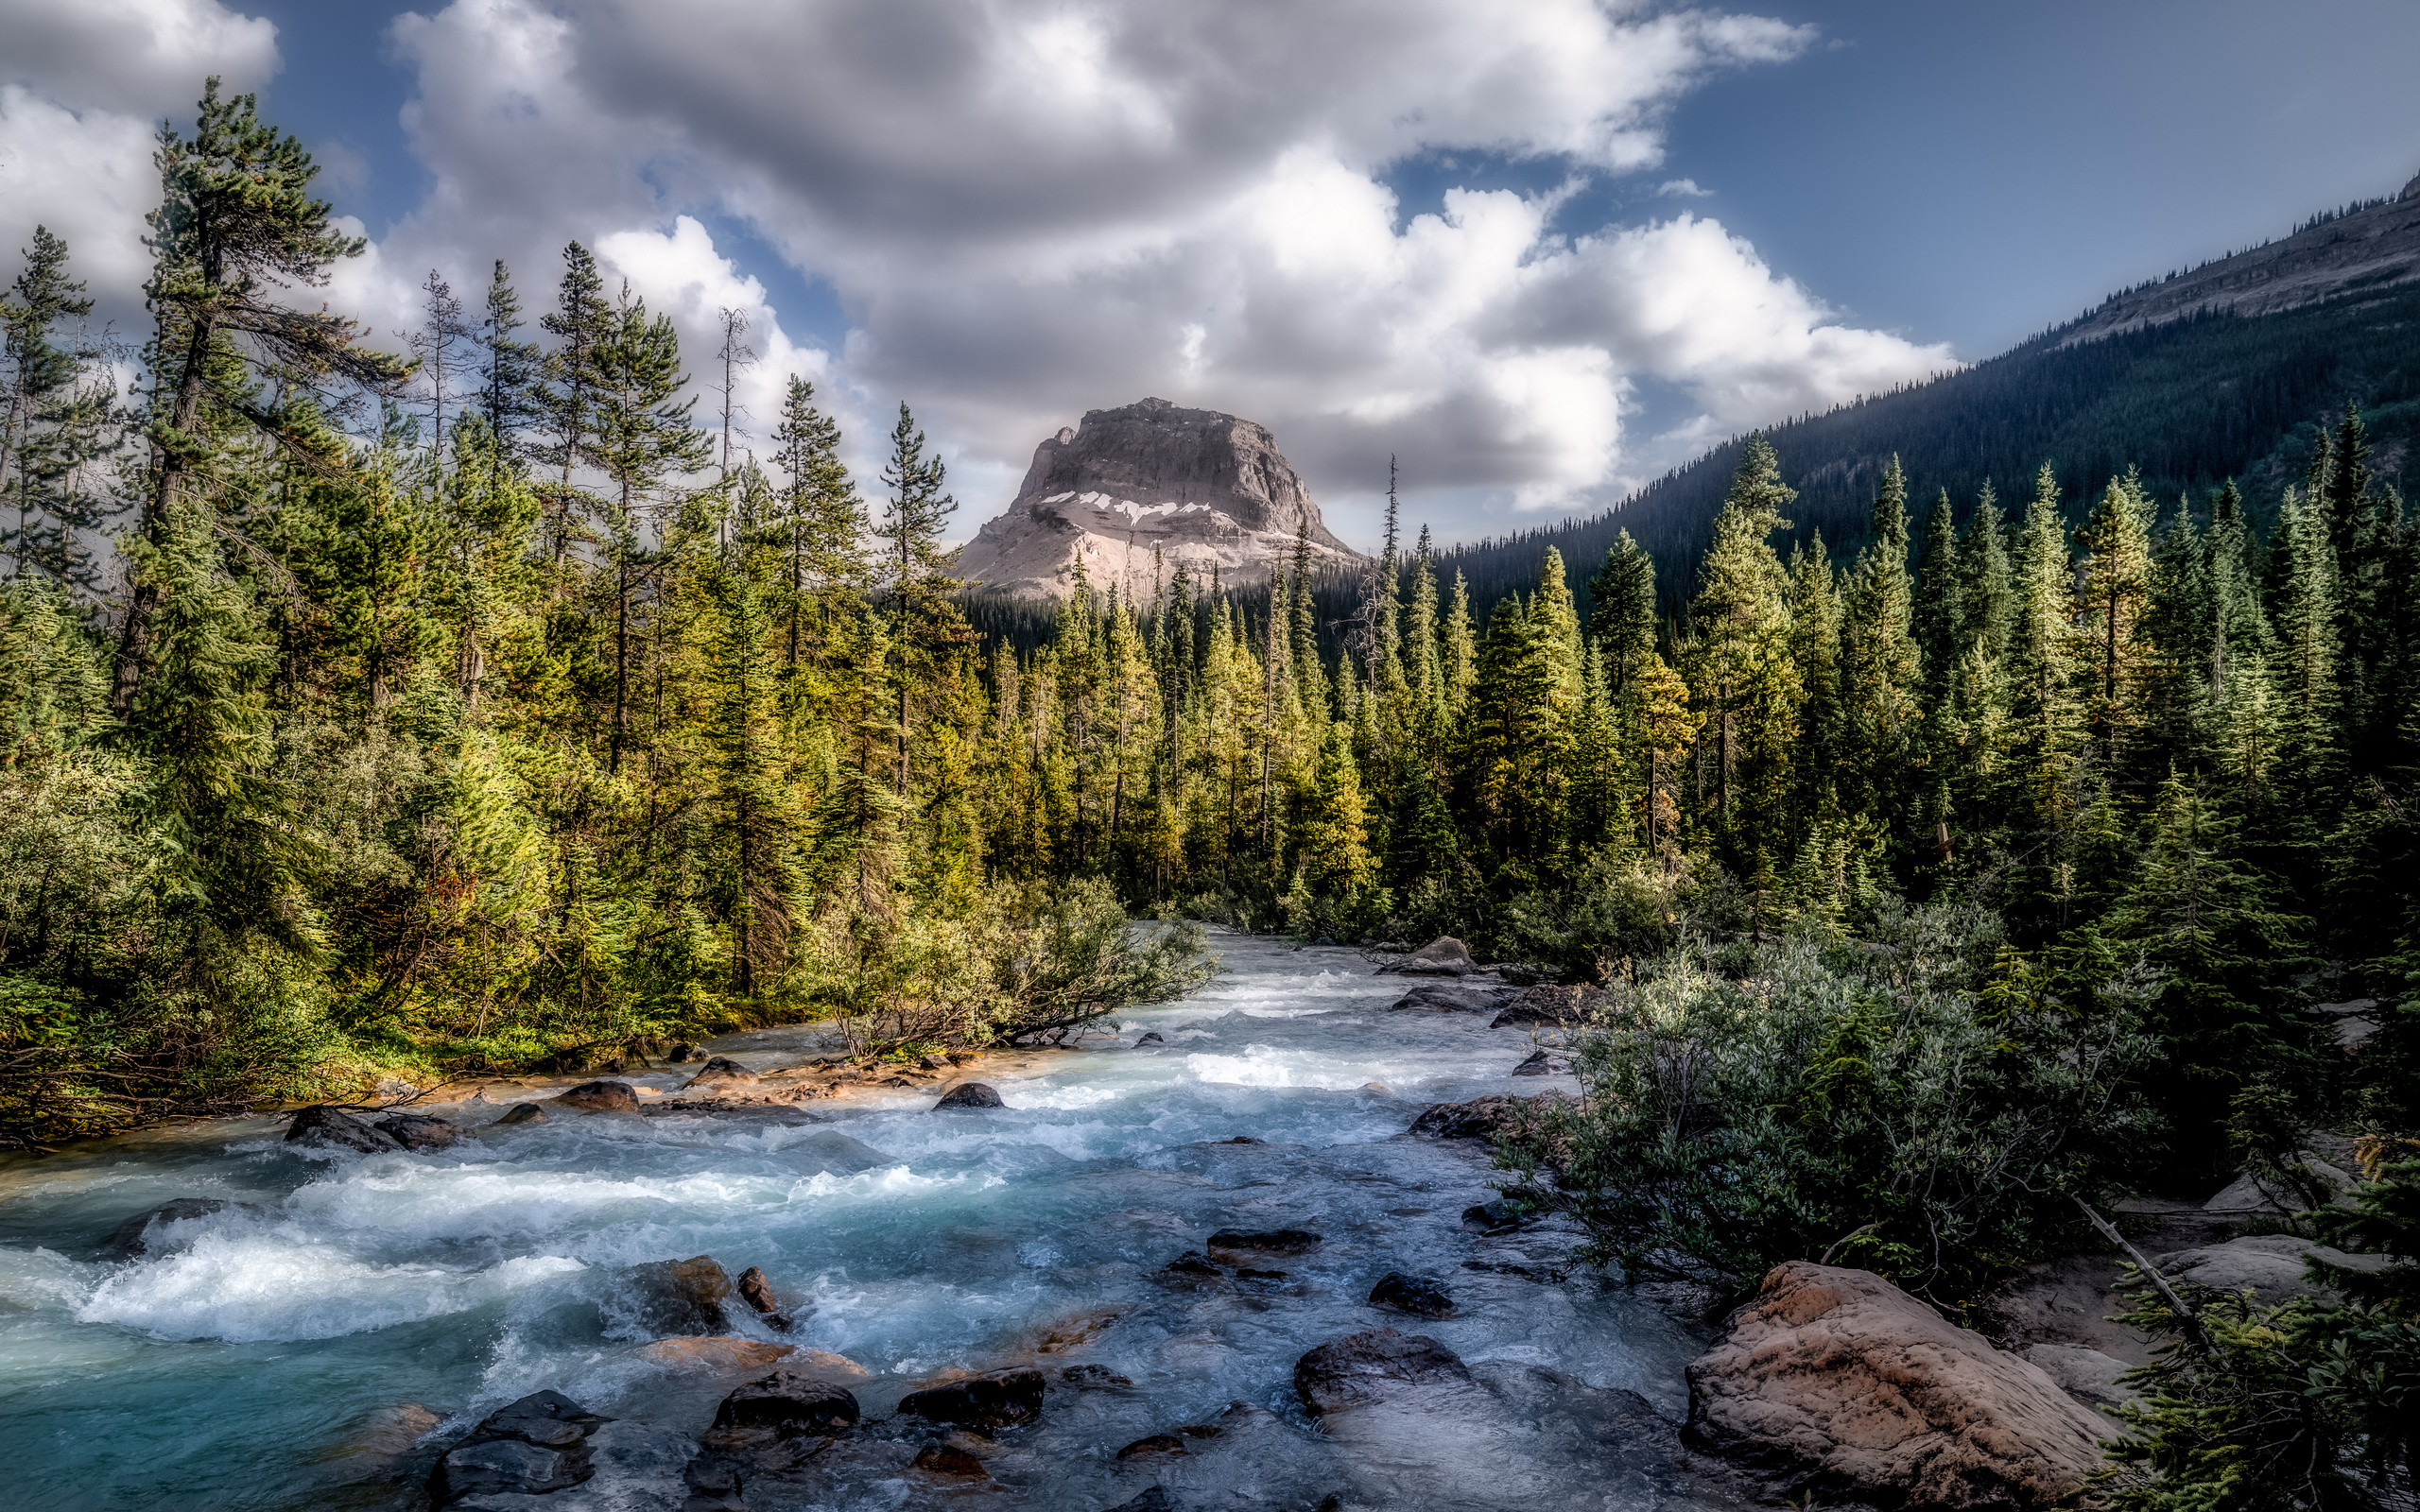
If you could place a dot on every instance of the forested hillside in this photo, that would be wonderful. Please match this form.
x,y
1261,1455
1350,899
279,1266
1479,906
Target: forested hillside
x,y
2189,404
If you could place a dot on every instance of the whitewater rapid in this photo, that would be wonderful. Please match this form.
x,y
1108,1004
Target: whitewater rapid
x,y
250,1367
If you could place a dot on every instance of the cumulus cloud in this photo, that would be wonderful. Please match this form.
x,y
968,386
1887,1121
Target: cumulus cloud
x,y
1685,188
1029,208
83,87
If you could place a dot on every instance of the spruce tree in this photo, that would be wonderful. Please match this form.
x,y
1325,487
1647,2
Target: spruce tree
x,y
919,585
1880,668
1742,677
51,433
2114,599
510,368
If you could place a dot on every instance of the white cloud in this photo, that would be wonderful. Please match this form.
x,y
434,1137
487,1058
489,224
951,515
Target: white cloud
x,y
1029,208
83,87
1685,188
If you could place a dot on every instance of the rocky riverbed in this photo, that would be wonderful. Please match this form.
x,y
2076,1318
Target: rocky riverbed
x,y
1243,1253
1157,1229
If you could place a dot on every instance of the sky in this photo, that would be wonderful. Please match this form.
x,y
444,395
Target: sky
x,y
1540,250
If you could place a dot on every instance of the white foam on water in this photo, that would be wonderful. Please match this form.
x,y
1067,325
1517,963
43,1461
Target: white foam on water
x,y
256,1287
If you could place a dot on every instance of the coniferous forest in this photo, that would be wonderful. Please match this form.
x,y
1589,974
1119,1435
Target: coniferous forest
x,y
491,703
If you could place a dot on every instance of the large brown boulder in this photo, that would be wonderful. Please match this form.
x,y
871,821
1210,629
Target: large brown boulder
x,y
676,1298
1841,1385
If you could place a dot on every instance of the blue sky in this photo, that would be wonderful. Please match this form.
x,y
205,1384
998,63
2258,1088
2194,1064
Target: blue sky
x,y
1005,215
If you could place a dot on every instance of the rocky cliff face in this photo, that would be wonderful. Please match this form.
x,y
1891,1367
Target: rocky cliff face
x,y
2366,251
1200,488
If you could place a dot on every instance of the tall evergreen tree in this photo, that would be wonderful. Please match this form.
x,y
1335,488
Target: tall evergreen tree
x,y
236,222
1742,677
51,431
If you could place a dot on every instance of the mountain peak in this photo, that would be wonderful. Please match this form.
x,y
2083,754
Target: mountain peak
x,y
1200,488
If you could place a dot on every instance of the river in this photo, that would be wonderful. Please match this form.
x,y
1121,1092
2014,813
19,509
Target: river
x,y
253,1366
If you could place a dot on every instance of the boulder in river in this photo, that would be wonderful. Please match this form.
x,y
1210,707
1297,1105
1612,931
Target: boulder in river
x,y
524,1113
1362,1368
723,1072
1155,1500
334,1129
532,1446
789,1405
970,1095
420,1131
676,1297
602,1097
1229,1242
1416,1294
996,1398
758,1290
1539,1064
1441,956
1835,1379
1481,1118
1549,1006
147,1232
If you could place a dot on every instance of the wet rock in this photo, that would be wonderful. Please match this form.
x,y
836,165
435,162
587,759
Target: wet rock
x,y
1416,1294
524,1113
1539,1064
530,1447
682,1051
147,1232
1492,1217
1071,1332
2087,1375
1150,1037
1548,1006
1262,1242
1240,1138
334,1129
789,1405
758,1290
946,1460
1441,956
715,1351
1835,1379
1481,1118
1153,1499
418,1131
1152,1447
723,1072
601,1097
679,1297
1440,997
1524,973
1094,1378
970,1095
996,1398
1372,1367
1191,1272
2267,1266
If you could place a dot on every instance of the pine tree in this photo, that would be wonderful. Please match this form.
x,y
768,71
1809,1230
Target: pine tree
x,y
1621,614
1742,677
822,523
921,587
583,324
642,436
441,346
235,220
48,434
509,368
2113,599
2040,655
